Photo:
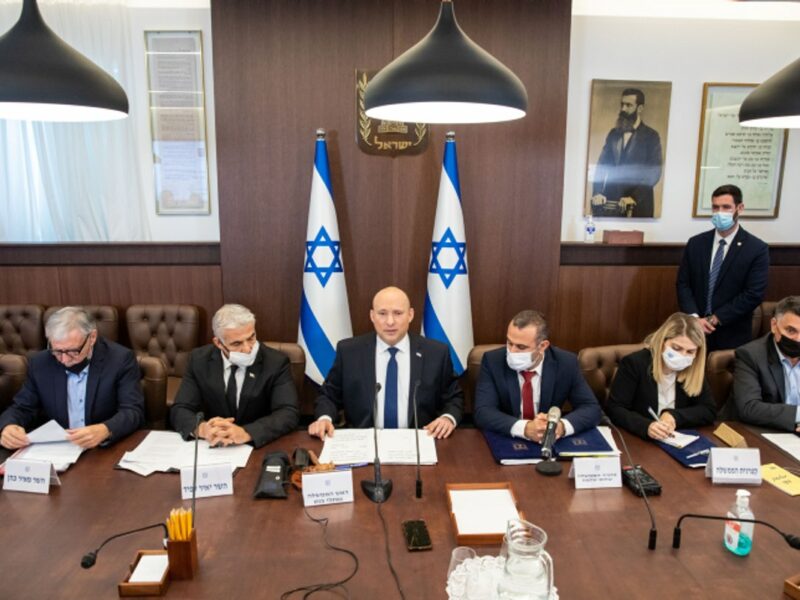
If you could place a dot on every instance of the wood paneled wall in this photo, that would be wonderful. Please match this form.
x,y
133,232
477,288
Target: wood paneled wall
x,y
286,67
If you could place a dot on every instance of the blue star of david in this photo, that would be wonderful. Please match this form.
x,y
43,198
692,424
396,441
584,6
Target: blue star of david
x,y
323,272
460,268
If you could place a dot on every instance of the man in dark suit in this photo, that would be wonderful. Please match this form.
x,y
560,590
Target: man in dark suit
x,y
629,165
766,382
723,274
403,365
244,389
88,384
519,384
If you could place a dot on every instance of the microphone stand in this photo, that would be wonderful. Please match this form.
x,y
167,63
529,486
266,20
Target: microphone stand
x,y
651,542
792,540
549,466
88,560
378,491
416,439
194,474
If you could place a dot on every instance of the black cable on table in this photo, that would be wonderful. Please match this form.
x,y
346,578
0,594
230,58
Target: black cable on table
x,y
389,553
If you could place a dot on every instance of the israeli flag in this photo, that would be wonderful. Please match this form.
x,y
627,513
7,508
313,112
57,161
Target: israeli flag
x,y
324,311
448,311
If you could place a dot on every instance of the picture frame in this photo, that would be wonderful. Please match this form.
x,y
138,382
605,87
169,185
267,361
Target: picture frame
x,y
752,158
628,125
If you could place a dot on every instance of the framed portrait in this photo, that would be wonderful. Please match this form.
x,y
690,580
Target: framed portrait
x,y
628,124
749,157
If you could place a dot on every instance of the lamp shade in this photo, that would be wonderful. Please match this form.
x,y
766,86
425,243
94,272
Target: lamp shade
x,y
42,78
446,78
776,102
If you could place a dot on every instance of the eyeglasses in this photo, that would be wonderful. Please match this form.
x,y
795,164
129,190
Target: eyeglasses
x,y
71,352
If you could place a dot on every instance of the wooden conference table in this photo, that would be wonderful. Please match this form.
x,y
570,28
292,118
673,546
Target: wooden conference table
x,y
261,548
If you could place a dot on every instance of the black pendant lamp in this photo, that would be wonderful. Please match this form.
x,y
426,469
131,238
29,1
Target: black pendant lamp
x,y
776,102
446,78
42,78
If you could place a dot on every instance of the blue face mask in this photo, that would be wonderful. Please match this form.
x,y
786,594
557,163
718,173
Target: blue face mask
x,y
722,220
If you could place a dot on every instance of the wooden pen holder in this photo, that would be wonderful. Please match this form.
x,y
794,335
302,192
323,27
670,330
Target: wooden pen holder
x,y
183,557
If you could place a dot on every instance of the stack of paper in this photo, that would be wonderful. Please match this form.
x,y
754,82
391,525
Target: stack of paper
x,y
788,442
397,447
49,444
166,451
680,440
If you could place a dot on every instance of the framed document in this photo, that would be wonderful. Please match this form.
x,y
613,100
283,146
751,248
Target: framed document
x,y
178,121
749,157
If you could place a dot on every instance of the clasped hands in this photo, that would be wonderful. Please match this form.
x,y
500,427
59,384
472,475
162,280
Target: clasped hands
x,y
534,429
439,428
14,436
219,431
623,204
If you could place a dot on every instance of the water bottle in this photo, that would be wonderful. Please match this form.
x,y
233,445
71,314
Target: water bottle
x,y
738,536
588,230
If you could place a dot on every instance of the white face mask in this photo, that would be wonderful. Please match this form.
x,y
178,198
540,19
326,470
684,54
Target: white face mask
x,y
675,360
519,361
244,359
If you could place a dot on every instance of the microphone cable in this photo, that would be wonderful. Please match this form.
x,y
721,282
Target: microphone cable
x,y
389,553
323,587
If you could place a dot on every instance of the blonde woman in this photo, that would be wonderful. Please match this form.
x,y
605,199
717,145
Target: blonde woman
x,y
668,378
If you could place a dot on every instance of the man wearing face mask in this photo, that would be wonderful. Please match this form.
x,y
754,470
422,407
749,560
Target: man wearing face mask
x,y
244,389
766,382
629,165
723,274
518,384
88,384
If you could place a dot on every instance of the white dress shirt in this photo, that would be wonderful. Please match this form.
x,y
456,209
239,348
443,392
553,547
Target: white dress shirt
x,y
666,393
226,372
403,359
518,429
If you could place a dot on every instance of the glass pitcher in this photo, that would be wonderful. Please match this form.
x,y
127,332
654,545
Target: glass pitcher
x,y
528,570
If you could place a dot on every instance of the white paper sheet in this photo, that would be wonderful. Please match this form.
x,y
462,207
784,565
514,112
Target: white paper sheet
x,y
788,442
150,569
397,447
49,432
482,511
60,454
680,440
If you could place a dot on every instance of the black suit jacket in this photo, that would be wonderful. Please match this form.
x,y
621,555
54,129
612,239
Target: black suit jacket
x,y
634,390
268,405
759,387
740,287
350,383
632,170
497,393
113,392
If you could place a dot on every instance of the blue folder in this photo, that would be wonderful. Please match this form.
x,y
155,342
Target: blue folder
x,y
505,447
682,454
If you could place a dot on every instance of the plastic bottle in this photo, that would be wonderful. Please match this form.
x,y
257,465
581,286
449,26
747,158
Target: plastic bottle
x,y
738,537
588,230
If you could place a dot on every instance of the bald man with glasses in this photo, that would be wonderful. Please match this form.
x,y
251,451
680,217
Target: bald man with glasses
x,y
88,384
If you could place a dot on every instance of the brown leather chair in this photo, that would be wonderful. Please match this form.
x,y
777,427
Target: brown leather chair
x,y
154,388
167,331
719,373
21,329
599,366
106,317
13,369
474,359
762,318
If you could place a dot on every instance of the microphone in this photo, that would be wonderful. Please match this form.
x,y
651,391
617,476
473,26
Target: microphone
x,y
88,560
549,466
378,491
194,473
416,438
792,540
651,542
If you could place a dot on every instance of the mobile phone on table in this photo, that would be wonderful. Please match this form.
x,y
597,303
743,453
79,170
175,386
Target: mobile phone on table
x,y
416,534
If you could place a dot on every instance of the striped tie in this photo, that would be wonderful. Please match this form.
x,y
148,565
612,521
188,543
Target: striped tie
x,y
712,277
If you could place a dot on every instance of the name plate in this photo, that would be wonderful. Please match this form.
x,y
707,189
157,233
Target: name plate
x,y
734,465
25,475
592,472
327,487
212,480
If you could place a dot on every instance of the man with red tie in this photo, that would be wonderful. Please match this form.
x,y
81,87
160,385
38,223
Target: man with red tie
x,y
518,384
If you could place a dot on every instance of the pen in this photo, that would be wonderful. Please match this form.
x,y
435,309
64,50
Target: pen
x,y
701,453
655,417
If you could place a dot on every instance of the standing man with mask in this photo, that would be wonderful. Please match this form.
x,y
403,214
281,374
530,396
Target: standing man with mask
x,y
629,165
244,389
394,365
766,382
723,274
519,384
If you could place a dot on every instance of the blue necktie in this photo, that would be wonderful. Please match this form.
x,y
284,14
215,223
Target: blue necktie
x,y
712,277
390,394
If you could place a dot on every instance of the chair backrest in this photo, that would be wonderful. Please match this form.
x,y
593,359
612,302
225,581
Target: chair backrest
x,y
764,313
297,361
474,359
719,373
154,388
167,331
21,329
106,317
599,366
13,369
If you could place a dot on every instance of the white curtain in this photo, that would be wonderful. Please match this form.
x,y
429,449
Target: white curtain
x,y
74,182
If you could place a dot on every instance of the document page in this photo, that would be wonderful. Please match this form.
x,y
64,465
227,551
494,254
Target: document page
x,y
397,447
482,511
788,442
49,432
60,454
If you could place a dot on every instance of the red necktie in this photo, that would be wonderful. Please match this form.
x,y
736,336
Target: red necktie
x,y
527,395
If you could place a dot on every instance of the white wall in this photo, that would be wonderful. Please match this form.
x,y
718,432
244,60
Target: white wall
x,y
687,52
